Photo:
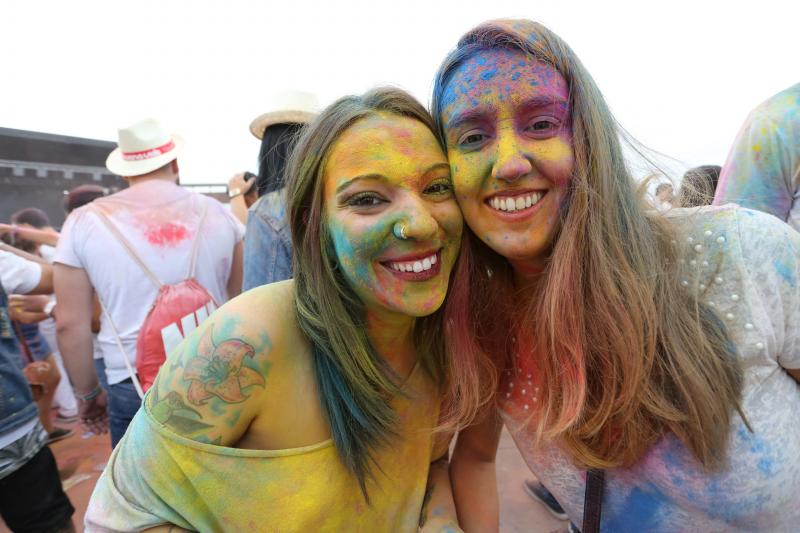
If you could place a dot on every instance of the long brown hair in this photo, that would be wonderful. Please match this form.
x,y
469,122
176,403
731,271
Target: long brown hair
x,y
354,381
623,352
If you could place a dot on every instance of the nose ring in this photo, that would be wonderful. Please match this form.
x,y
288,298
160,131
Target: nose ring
x,y
399,231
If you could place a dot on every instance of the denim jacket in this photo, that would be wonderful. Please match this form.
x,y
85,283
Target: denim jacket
x,y
267,243
16,402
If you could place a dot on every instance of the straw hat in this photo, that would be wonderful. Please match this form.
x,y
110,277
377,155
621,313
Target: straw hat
x,y
143,147
285,108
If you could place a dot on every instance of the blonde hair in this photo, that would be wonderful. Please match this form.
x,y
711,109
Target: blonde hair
x,y
623,352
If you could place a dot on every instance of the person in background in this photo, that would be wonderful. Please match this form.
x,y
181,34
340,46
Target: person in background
x,y
763,167
268,246
31,496
78,197
665,196
36,235
698,186
161,222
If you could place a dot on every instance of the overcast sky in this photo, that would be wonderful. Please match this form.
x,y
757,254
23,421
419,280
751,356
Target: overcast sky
x,y
680,76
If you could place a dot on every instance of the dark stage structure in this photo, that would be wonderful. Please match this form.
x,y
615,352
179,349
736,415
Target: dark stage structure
x,y
37,169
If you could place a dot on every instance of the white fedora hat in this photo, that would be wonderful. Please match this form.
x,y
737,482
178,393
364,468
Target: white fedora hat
x,y
286,107
143,147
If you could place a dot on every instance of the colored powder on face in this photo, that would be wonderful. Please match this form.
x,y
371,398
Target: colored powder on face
x,y
168,234
489,74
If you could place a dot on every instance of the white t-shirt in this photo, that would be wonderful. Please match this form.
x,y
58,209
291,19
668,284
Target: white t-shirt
x,y
18,275
745,265
160,220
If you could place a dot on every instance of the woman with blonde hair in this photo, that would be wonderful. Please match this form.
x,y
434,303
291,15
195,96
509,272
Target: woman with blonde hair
x,y
310,404
657,351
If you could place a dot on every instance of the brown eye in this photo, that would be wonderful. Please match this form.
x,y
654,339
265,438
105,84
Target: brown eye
x,y
364,199
543,127
471,139
439,187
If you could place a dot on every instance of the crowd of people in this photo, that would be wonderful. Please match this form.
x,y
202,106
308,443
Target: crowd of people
x,y
340,347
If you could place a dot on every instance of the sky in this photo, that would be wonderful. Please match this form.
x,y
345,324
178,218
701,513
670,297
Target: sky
x,y
680,76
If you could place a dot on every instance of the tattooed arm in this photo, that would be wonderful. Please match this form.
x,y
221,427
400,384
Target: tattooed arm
x,y
214,384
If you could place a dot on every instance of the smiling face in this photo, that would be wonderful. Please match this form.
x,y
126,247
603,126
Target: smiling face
x,y
506,118
387,178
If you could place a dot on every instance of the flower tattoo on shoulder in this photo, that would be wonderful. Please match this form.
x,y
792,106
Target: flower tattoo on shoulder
x,y
220,370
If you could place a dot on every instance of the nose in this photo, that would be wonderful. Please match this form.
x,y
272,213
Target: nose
x,y
510,162
416,218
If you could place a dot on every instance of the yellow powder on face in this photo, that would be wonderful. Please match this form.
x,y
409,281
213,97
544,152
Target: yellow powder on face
x,y
553,150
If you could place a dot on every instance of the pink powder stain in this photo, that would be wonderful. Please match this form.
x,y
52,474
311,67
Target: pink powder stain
x,y
167,234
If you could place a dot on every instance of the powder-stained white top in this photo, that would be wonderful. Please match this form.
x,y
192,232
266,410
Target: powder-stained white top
x,y
160,220
746,265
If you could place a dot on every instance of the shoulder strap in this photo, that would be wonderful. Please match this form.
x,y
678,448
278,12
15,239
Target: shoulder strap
x,y
196,242
125,243
128,365
593,501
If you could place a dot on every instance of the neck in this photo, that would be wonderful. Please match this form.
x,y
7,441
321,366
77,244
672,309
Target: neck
x,y
527,275
153,176
391,334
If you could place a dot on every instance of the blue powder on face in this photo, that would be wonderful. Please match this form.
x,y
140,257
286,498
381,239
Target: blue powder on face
x,y
489,74
515,76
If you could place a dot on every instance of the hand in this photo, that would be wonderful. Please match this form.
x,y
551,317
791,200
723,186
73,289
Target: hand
x,y
32,303
7,228
237,185
93,414
24,317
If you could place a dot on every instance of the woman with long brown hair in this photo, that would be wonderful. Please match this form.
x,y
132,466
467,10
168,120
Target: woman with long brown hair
x,y
310,404
659,350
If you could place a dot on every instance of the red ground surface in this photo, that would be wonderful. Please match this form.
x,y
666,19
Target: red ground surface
x,y
82,457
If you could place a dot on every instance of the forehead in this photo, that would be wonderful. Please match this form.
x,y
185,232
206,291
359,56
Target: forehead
x,y
502,75
385,144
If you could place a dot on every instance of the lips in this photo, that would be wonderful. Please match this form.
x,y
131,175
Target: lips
x,y
416,267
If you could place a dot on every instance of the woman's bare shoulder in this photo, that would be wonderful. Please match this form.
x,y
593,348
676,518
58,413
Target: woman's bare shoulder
x,y
221,376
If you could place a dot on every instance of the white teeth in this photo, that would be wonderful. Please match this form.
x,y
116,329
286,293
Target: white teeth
x,y
415,266
517,203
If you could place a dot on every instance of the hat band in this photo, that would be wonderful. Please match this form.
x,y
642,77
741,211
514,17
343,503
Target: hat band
x,y
149,153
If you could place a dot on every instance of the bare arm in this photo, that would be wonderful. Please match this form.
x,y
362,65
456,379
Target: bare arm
x,y
45,285
238,187
474,477
73,325
212,385
39,236
237,271
74,335
439,509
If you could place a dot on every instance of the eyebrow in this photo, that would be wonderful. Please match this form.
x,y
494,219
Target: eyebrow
x,y
534,102
381,177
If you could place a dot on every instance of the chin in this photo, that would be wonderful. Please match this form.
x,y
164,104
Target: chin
x,y
422,307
